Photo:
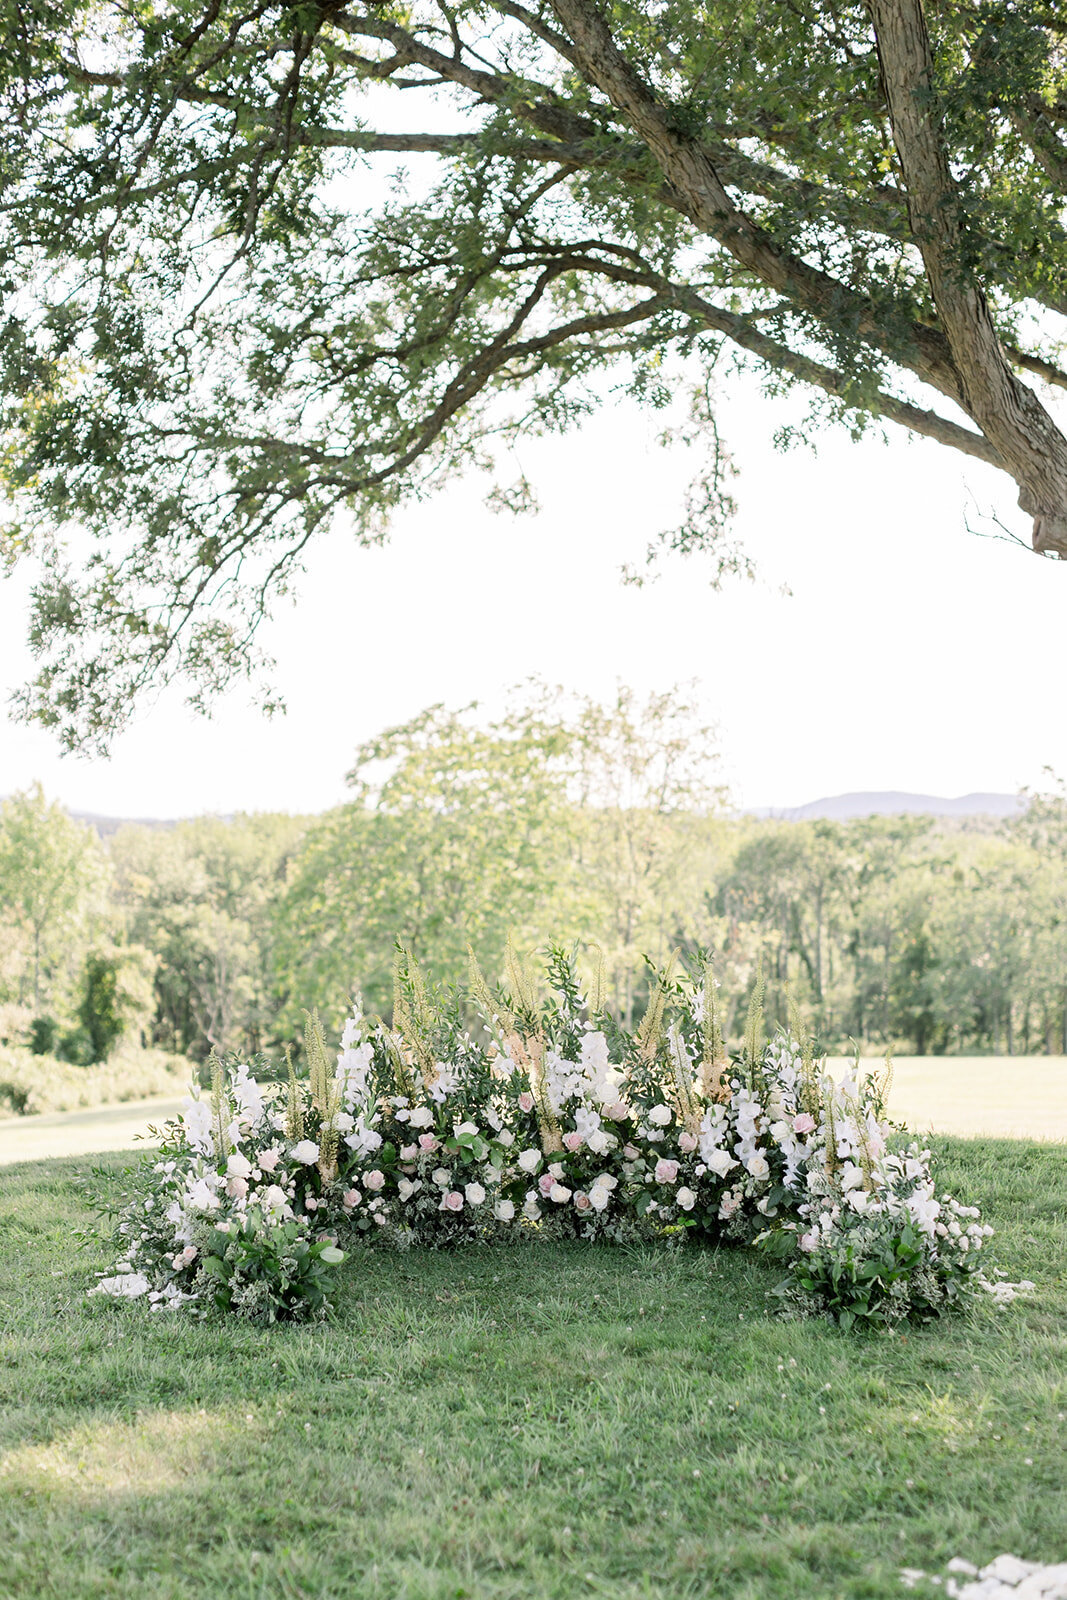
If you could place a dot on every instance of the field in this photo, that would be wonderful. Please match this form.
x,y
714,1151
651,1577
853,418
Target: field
x,y
1006,1096
524,1424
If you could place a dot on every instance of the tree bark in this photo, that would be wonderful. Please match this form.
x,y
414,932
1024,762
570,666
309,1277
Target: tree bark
x,y
1010,415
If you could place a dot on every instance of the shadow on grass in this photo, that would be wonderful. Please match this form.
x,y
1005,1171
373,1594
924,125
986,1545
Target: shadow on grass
x,y
524,1422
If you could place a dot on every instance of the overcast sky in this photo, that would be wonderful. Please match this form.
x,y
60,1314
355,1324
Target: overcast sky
x,y
910,654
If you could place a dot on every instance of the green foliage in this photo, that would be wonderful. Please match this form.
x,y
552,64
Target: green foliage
x,y
201,896
224,336
44,1032
593,823
873,1277
101,1009
51,869
267,1272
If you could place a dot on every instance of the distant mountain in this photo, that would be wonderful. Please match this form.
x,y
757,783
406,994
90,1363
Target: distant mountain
x,y
106,826
891,803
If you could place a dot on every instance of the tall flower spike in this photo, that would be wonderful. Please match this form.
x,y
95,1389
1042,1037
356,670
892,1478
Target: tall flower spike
x,y
650,1033
415,1016
551,1133
325,1094
294,1121
808,1098
754,1030
831,1135
521,982
597,983
497,1013
685,1102
882,1084
219,1109
713,1055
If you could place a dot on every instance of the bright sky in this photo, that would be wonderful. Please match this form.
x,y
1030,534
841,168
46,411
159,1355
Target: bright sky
x,y
910,655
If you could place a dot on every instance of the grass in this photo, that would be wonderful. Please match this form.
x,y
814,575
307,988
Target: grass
x,y
525,1423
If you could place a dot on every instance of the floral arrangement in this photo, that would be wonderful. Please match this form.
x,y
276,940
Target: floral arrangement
x,y
548,1119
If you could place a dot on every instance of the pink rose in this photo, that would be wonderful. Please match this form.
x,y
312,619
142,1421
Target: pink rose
x,y
408,1152
687,1143
573,1141
374,1180
546,1182
350,1199
630,1152
582,1202
805,1123
236,1188
666,1171
427,1142
526,1101
808,1241
453,1201
617,1112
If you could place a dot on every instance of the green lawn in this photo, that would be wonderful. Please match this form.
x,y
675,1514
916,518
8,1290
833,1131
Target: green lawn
x,y
526,1423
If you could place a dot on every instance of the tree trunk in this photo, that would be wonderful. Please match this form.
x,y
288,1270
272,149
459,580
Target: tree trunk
x,y
1026,438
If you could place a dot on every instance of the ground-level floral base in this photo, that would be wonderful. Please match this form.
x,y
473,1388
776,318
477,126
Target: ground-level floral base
x,y
546,1119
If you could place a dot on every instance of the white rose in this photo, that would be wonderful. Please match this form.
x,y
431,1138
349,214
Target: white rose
x,y
599,1197
344,1121
720,1163
306,1152
405,1188
442,1177
599,1141
467,1127
530,1208
757,1166
475,1194
604,1180
530,1160
504,1210
421,1117
238,1167
506,1137
686,1198
559,1193
660,1116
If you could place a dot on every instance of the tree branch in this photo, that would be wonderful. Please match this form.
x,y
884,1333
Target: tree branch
x,y
1010,415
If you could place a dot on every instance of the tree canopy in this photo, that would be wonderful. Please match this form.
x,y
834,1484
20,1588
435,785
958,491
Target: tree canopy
x,y
223,333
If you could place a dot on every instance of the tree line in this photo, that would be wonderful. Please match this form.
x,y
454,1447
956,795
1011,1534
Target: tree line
x,y
561,819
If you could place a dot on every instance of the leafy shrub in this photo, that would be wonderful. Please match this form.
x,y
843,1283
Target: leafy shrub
x,y
76,1048
101,1011
44,1031
267,1272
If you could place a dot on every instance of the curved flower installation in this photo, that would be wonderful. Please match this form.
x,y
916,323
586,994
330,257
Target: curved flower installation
x,y
548,1120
